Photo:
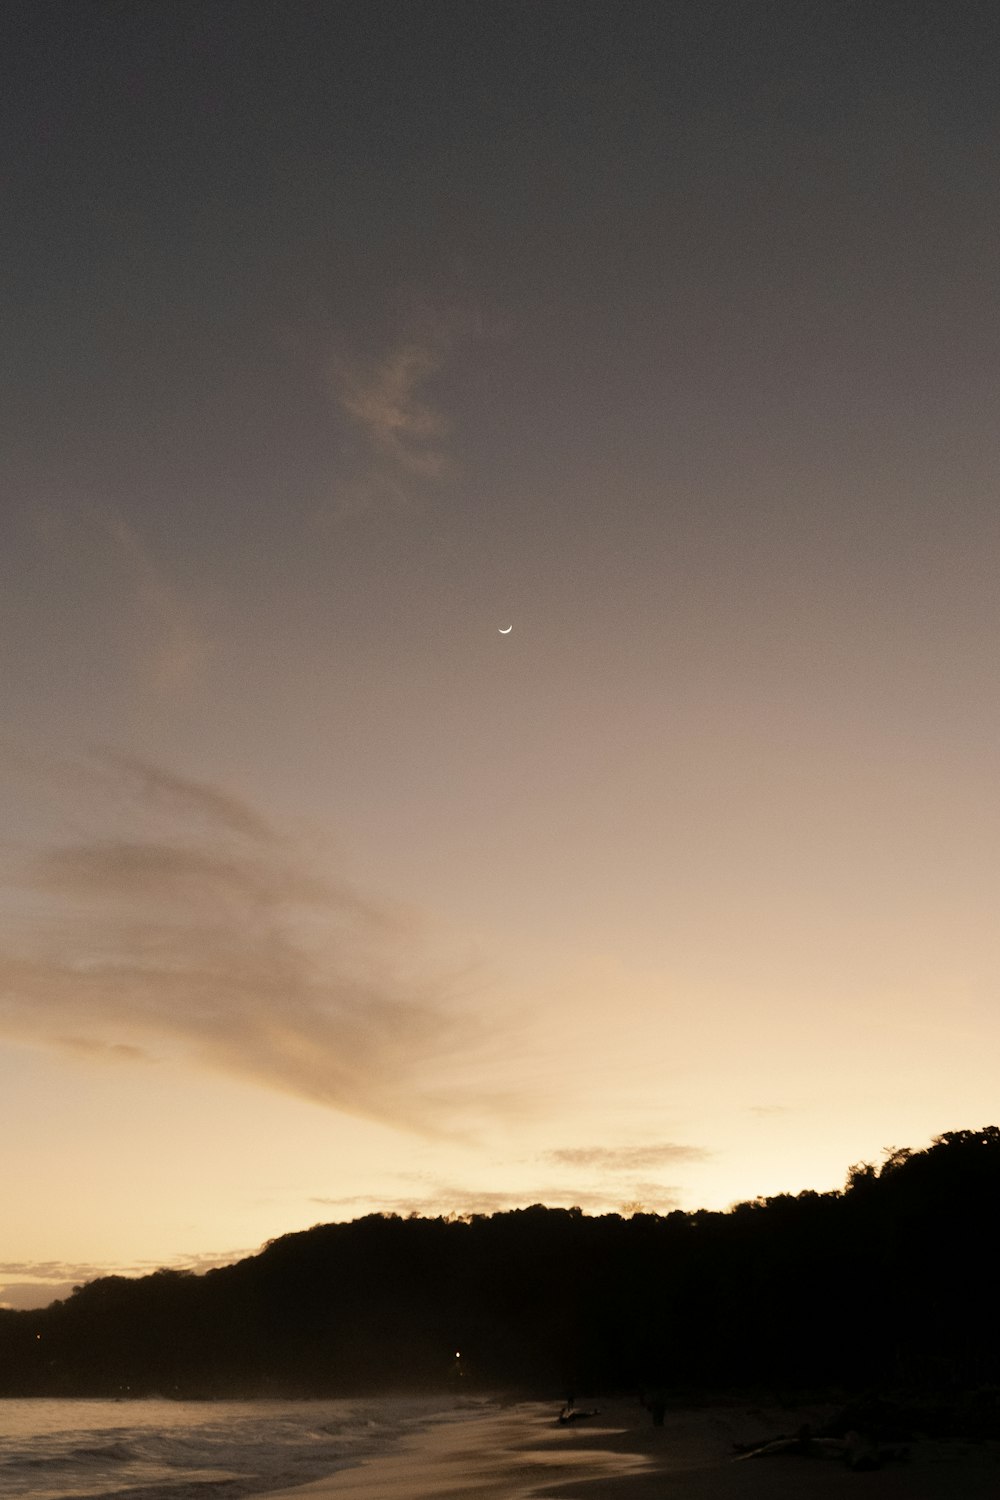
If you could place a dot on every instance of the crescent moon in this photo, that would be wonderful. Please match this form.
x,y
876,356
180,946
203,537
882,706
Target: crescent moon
x,y
503,631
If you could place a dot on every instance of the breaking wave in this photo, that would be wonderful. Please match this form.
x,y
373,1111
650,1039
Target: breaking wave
x,y
187,1450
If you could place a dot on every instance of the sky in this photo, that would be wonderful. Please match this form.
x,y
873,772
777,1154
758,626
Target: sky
x,y
340,338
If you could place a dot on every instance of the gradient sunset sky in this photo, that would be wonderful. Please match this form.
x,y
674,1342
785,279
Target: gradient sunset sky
x,y
338,337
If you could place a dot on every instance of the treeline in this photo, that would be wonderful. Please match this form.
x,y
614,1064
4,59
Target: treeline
x,y
892,1280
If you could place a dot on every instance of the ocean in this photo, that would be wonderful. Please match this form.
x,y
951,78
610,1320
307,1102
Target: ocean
x,y
193,1450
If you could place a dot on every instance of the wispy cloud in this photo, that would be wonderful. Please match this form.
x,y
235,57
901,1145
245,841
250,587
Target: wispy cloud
x,y
179,922
190,799
85,1046
393,400
30,1284
50,1270
454,1200
387,402
36,1283
176,647
626,1158
122,570
443,1198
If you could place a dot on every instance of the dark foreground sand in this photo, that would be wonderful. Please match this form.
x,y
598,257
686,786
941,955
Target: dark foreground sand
x,y
520,1453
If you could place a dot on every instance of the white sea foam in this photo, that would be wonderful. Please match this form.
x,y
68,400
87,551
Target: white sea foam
x,y
187,1450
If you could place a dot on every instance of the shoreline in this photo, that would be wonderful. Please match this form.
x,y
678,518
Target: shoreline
x,y
520,1452
508,1451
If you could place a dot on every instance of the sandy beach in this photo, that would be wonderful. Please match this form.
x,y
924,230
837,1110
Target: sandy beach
x,y
520,1452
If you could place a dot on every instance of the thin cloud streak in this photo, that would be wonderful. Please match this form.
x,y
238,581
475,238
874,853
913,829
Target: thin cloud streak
x,y
30,1284
626,1158
176,648
402,433
206,934
385,401
82,1046
388,401
161,637
452,1200
463,1203
179,795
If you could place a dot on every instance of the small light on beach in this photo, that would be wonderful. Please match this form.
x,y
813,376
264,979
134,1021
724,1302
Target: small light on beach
x,y
458,1354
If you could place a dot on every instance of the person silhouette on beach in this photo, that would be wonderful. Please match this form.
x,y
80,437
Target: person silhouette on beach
x,y
655,1403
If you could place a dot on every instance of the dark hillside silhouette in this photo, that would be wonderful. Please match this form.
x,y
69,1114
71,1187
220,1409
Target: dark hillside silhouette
x,y
890,1282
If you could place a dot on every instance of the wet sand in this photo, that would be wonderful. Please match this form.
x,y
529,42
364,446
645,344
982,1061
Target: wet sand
x,y
520,1453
